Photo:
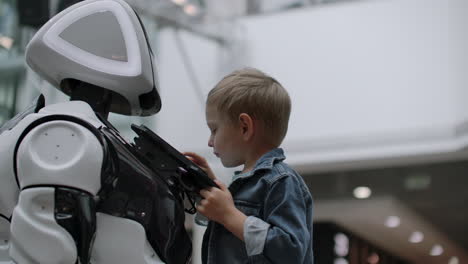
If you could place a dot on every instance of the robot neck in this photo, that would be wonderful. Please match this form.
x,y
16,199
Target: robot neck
x,y
97,97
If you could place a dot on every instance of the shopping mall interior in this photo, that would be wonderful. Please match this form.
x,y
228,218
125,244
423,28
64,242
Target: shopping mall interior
x,y
379,121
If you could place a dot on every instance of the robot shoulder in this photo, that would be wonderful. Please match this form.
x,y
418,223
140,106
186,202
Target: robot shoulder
x,y
9,134
60,150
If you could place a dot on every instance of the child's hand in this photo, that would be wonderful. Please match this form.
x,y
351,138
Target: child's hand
x,y
217,203
201,162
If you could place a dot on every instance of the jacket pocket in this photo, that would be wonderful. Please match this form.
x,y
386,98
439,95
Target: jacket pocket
x,y
248,208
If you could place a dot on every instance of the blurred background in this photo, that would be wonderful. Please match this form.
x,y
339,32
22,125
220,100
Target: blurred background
x,y
379,123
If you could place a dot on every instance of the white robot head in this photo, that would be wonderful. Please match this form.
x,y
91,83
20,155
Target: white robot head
x,y
102,43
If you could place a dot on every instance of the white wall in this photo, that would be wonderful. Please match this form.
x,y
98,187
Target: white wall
x,y
458,56
358,68
182,118
369,80
373,83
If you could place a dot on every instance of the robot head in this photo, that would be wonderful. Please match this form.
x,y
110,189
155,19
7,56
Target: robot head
x,y
103,43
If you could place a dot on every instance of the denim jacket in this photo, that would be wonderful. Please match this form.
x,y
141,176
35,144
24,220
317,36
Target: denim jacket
x,y
278,228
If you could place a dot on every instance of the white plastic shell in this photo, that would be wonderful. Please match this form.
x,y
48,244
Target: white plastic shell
x,y
109,248
71,46
35,235
60,153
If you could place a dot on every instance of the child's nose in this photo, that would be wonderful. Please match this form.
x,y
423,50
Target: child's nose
x,y
210,143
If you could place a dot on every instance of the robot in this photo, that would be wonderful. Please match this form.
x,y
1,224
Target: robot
x,y
72,190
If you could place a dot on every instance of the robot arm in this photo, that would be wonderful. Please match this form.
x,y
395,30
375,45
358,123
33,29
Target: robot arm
x,y
59,173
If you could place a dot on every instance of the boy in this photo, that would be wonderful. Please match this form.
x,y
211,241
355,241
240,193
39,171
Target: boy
x,y
265,216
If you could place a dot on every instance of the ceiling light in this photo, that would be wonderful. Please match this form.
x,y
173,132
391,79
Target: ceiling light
x,y
416,237
179,2
6,42
392,221
341,251
340,261
373,258
341,239
362,192
341,244
436,250
191,10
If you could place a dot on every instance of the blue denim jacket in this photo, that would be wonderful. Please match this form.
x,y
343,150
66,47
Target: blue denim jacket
x,y
278,228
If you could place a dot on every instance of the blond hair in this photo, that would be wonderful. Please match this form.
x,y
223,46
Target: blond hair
x,y
253,92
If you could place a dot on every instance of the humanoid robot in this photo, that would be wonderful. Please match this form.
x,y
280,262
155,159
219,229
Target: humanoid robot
x,y
72,190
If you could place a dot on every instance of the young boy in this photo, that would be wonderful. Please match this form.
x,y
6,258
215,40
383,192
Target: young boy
x,y
265,216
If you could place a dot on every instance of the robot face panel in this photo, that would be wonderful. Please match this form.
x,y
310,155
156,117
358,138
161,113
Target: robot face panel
x,y
87,33
100,29
103,43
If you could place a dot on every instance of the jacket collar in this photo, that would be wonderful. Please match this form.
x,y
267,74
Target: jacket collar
x,y
265,162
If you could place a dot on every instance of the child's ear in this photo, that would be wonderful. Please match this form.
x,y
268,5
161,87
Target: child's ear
x,y
246,125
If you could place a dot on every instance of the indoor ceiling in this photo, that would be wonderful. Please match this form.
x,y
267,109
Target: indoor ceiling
x,y
435,193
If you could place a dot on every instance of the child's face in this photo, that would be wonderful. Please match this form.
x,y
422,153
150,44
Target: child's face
x,y
225,139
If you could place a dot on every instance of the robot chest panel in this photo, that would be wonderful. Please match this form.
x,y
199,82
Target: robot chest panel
x,y
136,191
